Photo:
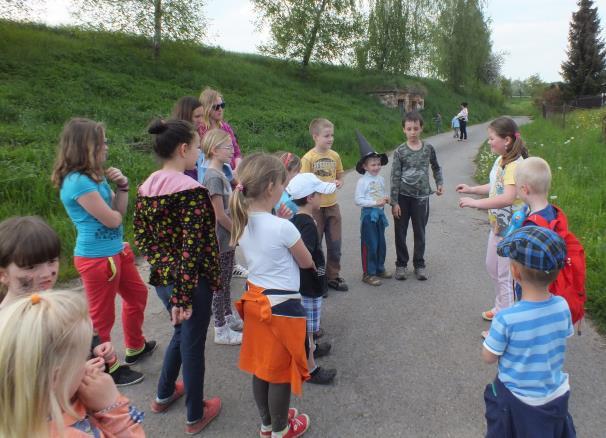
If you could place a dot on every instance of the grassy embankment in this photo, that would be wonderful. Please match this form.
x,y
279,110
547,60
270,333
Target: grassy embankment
x,y
49,75
576,156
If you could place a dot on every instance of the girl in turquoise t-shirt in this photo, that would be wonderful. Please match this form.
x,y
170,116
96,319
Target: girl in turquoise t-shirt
x,y
105,264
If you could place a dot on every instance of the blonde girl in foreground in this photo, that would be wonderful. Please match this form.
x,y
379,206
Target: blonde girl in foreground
x,y
47,386
273,344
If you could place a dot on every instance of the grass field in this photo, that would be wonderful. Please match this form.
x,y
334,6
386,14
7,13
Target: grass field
x,y
49,75
576,156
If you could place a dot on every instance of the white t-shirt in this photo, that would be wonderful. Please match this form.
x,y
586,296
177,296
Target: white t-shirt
x,y
265,242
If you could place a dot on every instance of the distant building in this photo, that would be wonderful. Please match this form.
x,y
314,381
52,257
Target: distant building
x,y
406,99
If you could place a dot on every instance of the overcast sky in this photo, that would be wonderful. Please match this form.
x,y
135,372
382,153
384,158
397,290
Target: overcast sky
x,y
533,33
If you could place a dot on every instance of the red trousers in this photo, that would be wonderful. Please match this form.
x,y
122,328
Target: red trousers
x,y
103,278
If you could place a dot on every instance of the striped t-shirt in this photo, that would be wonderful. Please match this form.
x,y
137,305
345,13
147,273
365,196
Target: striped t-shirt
x,y
531,337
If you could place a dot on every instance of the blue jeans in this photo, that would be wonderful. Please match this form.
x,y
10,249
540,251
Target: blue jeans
x,y
373,246
187,348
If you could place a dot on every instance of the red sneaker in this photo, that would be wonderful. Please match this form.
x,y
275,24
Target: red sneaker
x,y
297,426
212,407
292,413
158,407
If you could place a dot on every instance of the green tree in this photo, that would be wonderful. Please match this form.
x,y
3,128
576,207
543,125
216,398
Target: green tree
x,y
461,41
19,10
397,34
506,87
583,72
155,19
304,29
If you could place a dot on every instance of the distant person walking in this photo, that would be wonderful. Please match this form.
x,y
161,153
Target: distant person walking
x,y
463,117
438,121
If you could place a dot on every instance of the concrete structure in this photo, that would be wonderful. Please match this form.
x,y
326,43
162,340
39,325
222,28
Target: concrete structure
x,y
405,99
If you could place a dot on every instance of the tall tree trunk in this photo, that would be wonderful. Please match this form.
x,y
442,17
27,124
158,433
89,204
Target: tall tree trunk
x,y
314,34
157,26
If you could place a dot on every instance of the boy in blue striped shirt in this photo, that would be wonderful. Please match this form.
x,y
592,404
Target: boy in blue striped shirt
x,y
529,396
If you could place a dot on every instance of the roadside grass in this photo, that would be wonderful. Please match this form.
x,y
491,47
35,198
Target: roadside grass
x,y
48,75
520,106
577,157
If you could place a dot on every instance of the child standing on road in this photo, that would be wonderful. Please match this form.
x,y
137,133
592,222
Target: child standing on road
x,y
505,141
218,149
454,123
326,164
529,396
27,269
410,191
48,388
105,263
273,343
306,189
175,231
372,197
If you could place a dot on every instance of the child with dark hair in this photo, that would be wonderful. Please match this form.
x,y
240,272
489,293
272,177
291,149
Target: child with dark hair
x,y
306,188
175,231
528,340
27,269
410,191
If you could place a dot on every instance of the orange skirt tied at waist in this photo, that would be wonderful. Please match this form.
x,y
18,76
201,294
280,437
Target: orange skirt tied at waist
x,y
273,338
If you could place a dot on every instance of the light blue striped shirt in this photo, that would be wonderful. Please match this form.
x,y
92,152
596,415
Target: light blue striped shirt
x,y
531,337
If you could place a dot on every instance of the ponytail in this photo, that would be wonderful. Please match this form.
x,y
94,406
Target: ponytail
x,y
505,127
256,172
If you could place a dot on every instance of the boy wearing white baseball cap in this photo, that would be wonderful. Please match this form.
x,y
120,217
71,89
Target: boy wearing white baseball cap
x,y
305,190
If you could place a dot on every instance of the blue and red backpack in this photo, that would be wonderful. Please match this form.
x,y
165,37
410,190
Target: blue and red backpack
x,y
570,282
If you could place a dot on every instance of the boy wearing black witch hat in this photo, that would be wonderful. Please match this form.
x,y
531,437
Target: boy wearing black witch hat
x,y
372,196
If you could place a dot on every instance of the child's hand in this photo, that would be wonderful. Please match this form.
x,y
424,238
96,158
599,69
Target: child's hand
x,y
97,390
96,363
463,188
284,212
395,211
440,190
338,183
382,202
116,176
468,202
179,314
106,351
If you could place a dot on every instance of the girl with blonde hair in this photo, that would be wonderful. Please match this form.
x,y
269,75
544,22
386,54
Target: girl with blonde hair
x,y
47,388
105,263
273,343
212,117
218,149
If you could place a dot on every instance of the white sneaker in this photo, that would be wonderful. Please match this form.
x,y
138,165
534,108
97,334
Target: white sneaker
x,y
239,271
234,322
226,336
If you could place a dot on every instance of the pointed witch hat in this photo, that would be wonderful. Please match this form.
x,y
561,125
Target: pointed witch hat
x,y
367,151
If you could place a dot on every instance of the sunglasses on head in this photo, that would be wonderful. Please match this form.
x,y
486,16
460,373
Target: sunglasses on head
x,y
219,105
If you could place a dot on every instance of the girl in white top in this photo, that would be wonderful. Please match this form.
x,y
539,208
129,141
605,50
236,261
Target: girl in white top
x,y
273,343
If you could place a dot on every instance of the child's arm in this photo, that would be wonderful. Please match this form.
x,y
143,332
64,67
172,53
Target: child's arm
x,y
396,178
120,198
339,180
437,172
489,357
499,201
94,205
301,255
220,216
484,189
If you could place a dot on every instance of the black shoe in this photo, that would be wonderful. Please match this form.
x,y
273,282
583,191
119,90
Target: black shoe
x,y
124,376
132,359
319,333
321,376
338,284
322,349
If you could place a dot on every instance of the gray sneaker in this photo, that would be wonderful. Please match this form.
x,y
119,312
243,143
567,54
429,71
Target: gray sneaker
x,y
401,273
420,274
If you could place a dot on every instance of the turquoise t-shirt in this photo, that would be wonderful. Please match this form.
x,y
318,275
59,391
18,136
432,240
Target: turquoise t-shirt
x,y
94,239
